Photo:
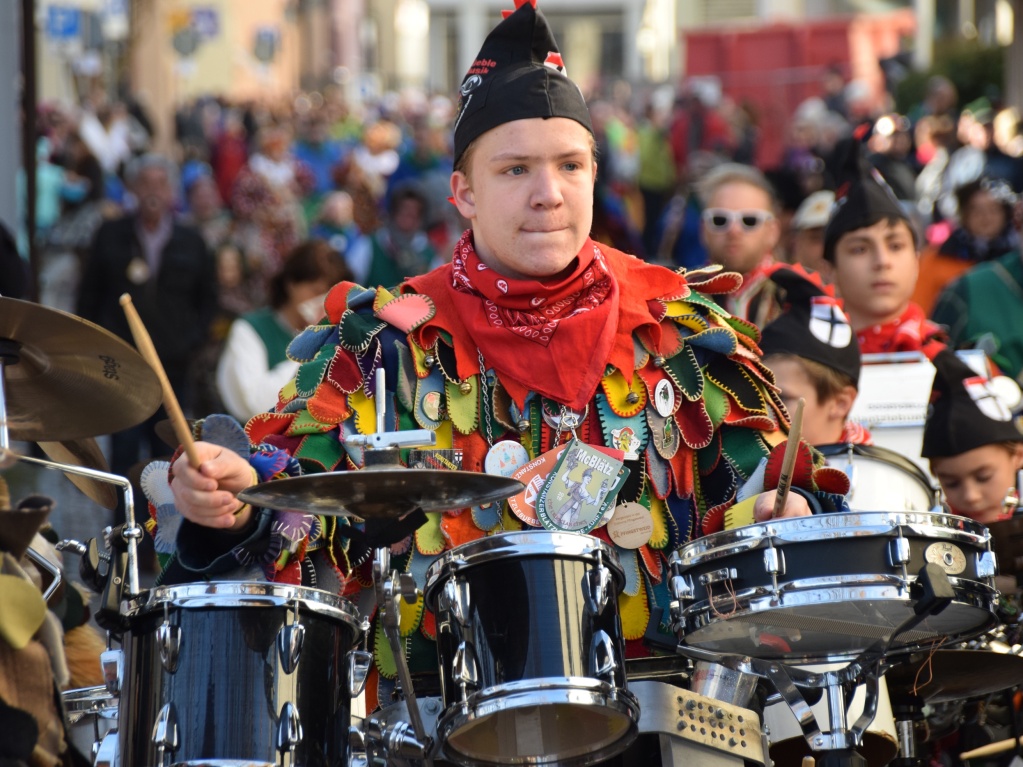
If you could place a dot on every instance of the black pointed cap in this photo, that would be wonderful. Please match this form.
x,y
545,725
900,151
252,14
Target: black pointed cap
x,y
518,74
862,197
965,412
812,326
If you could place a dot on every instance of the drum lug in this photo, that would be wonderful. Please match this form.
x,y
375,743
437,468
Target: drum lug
x,y
289,728
599,582
682,587
463,669
455,599
359,662
605,668
107,751
987,565
165,730
168,638
289,644
112,664
899,554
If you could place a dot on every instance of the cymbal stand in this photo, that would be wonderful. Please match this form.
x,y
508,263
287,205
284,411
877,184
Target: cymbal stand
x,y
122,539
381,740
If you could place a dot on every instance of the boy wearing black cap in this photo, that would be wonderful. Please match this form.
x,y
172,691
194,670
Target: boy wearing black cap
x,y
972,441
533,337
813,352
873,246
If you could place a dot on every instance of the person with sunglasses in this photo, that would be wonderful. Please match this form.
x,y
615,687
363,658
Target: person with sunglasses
x,y
740,232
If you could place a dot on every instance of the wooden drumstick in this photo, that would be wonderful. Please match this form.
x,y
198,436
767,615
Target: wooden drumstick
x,y
170,402
991,749
809,761
788,461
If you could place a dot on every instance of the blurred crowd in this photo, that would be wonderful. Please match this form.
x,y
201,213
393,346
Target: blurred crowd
x,y
262,205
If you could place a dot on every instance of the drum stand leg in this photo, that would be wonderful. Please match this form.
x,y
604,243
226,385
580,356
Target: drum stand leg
x,y
390,587
908,711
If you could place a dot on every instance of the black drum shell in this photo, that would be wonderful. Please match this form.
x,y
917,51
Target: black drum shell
x,y
230,683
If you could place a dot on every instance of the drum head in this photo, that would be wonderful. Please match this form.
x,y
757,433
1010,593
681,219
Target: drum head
x,y
542,733
881,479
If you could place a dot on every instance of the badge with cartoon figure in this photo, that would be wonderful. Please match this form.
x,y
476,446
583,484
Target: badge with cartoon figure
x,y
584,483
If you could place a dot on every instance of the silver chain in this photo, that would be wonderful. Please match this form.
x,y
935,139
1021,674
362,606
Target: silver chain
x,y
486,399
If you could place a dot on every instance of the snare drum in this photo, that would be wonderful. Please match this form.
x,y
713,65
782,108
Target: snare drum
x,y
236,672
827,587
880,479
91,713
531,657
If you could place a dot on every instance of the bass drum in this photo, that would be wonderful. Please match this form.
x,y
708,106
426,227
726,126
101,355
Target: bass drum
x,y
880,479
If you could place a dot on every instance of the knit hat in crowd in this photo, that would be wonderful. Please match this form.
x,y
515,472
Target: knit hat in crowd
x,y
862,197
812,326
518,74
967,411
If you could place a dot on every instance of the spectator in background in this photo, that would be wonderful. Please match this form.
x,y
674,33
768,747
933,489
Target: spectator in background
x,y
808,233
229,153
206,211
873,248
254,365
696,126
167,270
891,152
985,232
657,174
320,153
833,89
335,223
740,231
399,248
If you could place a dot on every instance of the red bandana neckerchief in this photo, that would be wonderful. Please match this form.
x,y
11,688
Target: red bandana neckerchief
x,y
911,332
575,358
554,335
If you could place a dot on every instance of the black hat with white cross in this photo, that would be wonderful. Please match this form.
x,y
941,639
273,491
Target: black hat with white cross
x,y
812,326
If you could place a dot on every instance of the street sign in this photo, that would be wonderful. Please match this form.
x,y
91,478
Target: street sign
x,y
63,23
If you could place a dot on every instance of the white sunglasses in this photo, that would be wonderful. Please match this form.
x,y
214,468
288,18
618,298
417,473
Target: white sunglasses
x,y
721,219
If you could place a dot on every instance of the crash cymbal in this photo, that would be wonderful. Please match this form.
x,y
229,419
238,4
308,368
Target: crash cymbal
x,y
66,378
84,453
380,493
956,674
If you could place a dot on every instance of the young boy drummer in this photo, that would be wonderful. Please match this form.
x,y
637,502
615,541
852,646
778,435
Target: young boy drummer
x,y
814,355
971,440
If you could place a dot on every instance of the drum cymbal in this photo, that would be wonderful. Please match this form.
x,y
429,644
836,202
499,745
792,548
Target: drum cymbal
x,y
165,431
84,453
957,674
380,493
70,378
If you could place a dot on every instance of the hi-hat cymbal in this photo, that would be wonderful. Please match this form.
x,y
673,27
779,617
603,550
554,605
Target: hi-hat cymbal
x,y
380,493
84,453
956,674
66,378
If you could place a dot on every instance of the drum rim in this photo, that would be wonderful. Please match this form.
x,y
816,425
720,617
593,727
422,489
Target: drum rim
x,y
563,690
885,454
837,525
242,594
751,604
521,544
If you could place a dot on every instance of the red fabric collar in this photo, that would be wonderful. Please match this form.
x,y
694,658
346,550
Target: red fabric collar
x,y
855,434
592,330
911,332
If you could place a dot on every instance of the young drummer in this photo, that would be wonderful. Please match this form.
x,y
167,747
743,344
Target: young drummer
x,y
874,250
813,353
972,442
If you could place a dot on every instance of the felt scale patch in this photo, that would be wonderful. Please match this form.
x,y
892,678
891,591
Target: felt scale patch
x,y
664,433
311,373
306,423
462,405
305,346
320,452
356,331
343,372
328,405
659,472
685,372
429,400
695,427
625,397
406,312
718,284
262,425
734,379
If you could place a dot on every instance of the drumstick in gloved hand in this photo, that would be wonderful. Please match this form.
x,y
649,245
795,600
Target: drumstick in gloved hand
x,y
788,461
170,402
